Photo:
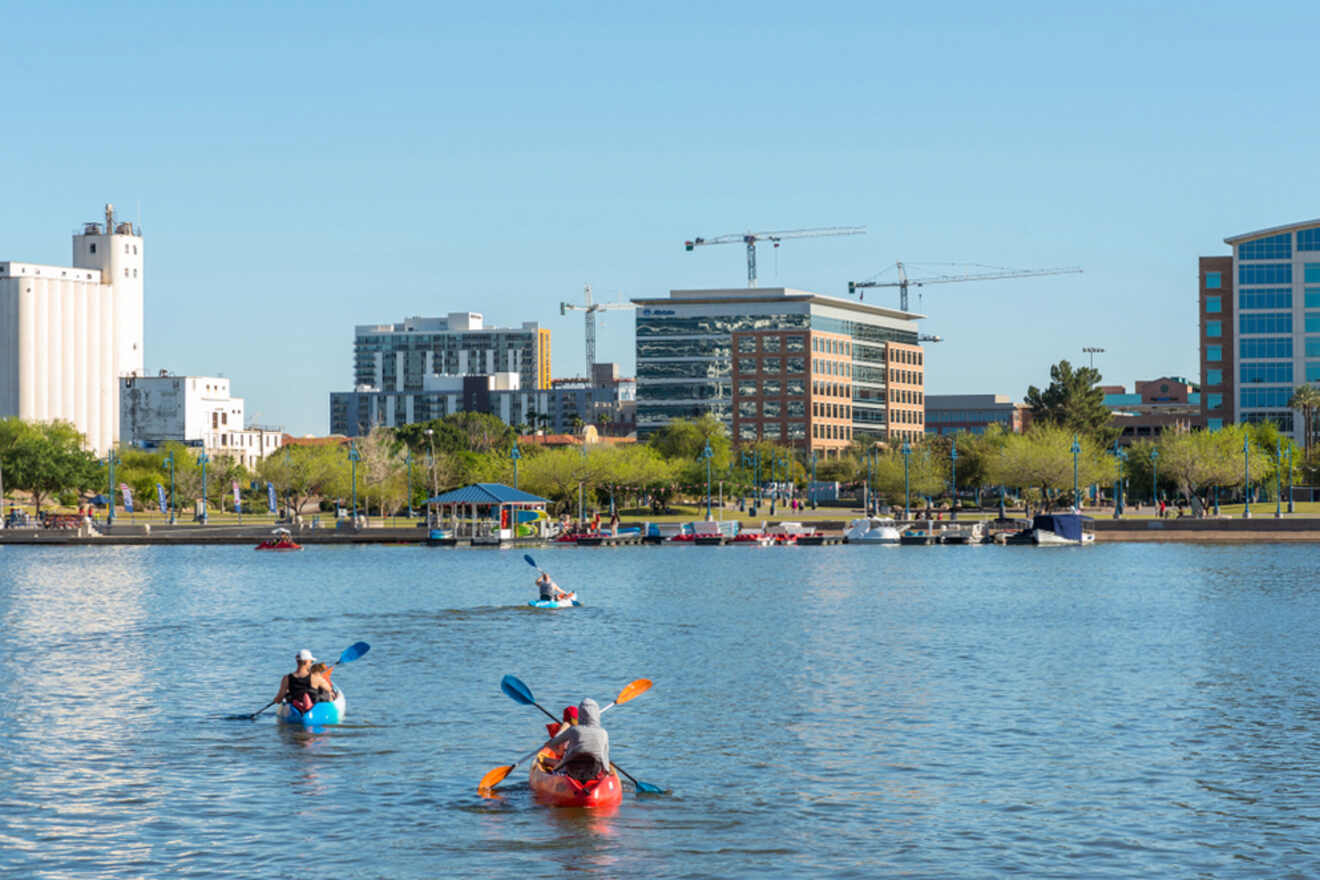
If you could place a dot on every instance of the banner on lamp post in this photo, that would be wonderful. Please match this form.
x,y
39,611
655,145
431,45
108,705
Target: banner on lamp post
x,y
160,496
128,497
270,496
238,499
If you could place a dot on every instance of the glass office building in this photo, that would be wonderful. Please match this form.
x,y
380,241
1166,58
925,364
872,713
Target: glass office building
x,y
686,357
1260,325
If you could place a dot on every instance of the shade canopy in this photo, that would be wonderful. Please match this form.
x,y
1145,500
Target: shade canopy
x,y
487,493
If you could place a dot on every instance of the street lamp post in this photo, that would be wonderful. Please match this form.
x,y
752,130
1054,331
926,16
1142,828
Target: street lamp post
x,y
1290,479
111,460
582,486
203,460
1155,478
953,473
169,459
811,487
430,437
907,453
707,454
753,460
1246,477
1076,451
410,495
1092,351
515,454
866,490
353,458
1278,479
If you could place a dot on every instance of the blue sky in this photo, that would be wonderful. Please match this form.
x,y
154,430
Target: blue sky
x,y
306,169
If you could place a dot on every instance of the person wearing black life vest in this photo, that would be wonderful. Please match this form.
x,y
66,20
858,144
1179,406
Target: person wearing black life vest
x,y
299,687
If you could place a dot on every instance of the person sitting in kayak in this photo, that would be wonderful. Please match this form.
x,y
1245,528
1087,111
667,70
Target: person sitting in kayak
x,y
325,693
554,728
298,687
586,745
550,591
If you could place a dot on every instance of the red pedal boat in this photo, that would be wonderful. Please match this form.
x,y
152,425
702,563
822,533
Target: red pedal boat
x,y
283,540
565,791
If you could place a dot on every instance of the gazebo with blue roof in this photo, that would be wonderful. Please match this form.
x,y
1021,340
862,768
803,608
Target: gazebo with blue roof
x,y
488,513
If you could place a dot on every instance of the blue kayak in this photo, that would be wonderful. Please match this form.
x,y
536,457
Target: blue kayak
x,y
320,713
550,603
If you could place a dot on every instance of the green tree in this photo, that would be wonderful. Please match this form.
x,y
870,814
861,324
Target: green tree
x,y
926,474
307,472
1307,399
1198,461
45,458
1073,402
1042,459
685,439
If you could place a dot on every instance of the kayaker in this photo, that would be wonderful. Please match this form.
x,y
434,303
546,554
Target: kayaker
x,y
554,728
550,591
298,687
586,745
322,689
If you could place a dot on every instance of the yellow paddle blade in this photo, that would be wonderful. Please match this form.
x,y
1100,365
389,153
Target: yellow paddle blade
x,y
494,777
633,689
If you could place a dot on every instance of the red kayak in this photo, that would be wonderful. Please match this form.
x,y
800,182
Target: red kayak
x,y
565,791
278,545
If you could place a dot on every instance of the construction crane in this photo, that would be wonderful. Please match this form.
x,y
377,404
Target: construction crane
x,y
904,281
751,238
591,308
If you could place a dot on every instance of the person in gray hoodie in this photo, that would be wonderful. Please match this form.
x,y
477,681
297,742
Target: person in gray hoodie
x,y
586,745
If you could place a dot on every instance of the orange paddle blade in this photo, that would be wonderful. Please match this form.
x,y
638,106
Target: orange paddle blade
x,y
494,777
633,689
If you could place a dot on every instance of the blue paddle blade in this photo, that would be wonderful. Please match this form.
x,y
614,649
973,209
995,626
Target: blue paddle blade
x,y
531,561
648,788
517,691
353,652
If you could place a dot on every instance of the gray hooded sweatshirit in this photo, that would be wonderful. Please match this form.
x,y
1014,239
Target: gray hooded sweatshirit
x,y
587,737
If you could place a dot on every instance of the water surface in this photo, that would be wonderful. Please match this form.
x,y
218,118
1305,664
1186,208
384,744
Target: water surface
x,y
1119,710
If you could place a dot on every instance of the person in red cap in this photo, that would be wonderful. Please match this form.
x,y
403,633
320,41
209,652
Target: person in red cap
x,y
570,716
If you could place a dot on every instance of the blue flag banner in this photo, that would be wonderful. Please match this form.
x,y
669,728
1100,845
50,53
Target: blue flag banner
x,y
128,497
160,494
270,496
238,499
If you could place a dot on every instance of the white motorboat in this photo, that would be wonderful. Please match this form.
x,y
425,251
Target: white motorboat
x,y
1057,530
874,530
963,533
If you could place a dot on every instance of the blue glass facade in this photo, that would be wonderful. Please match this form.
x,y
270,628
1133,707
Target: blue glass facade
x,y
1274,247
1265,397
1265,273
1308,240
1265,298
1267,347
1265,322
1266,371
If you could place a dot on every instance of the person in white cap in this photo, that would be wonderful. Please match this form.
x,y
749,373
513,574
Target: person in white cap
x,y
299,687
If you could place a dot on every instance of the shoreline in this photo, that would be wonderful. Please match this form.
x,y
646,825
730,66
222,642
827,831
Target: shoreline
x,y
1223,531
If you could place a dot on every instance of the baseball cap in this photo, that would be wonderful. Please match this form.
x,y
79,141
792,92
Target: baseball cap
x,y
305,654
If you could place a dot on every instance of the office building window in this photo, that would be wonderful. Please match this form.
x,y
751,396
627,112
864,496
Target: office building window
x,y
1308,240
1271,397
1214,329
1213,305
1267,273
1214,424
1272,373
1213,281
1264,322
1272,248
1214,377
771,365
1268,347
1214,353
1266,298
1214,401
1313,371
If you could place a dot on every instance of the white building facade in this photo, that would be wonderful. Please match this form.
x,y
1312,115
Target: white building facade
x,y
67,333
193,410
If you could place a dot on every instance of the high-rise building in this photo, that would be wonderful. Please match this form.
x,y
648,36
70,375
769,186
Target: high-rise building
x,y
1260,325
973,413
426,368
780,364
605,400
67,333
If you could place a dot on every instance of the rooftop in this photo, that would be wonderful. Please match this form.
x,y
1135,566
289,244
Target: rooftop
x,y
772,295
1273,230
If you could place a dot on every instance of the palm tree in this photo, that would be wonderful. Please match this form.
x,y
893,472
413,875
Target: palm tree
x,y
1307,399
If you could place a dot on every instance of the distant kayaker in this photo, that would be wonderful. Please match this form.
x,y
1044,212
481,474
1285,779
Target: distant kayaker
x,y
554,728
586,745
550,591
298,688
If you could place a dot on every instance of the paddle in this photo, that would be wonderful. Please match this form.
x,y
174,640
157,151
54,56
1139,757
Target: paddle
x,y
351,653
520,693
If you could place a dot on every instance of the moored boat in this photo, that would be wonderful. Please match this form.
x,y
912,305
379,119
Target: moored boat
x,y
283,541
564,791
1056,530
874,530
963,533
918,534
321,713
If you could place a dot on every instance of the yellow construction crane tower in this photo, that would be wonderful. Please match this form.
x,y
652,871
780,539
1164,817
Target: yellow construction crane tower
x,y
751,238
904,281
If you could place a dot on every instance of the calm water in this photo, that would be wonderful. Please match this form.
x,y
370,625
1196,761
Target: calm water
x,y
1119,710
